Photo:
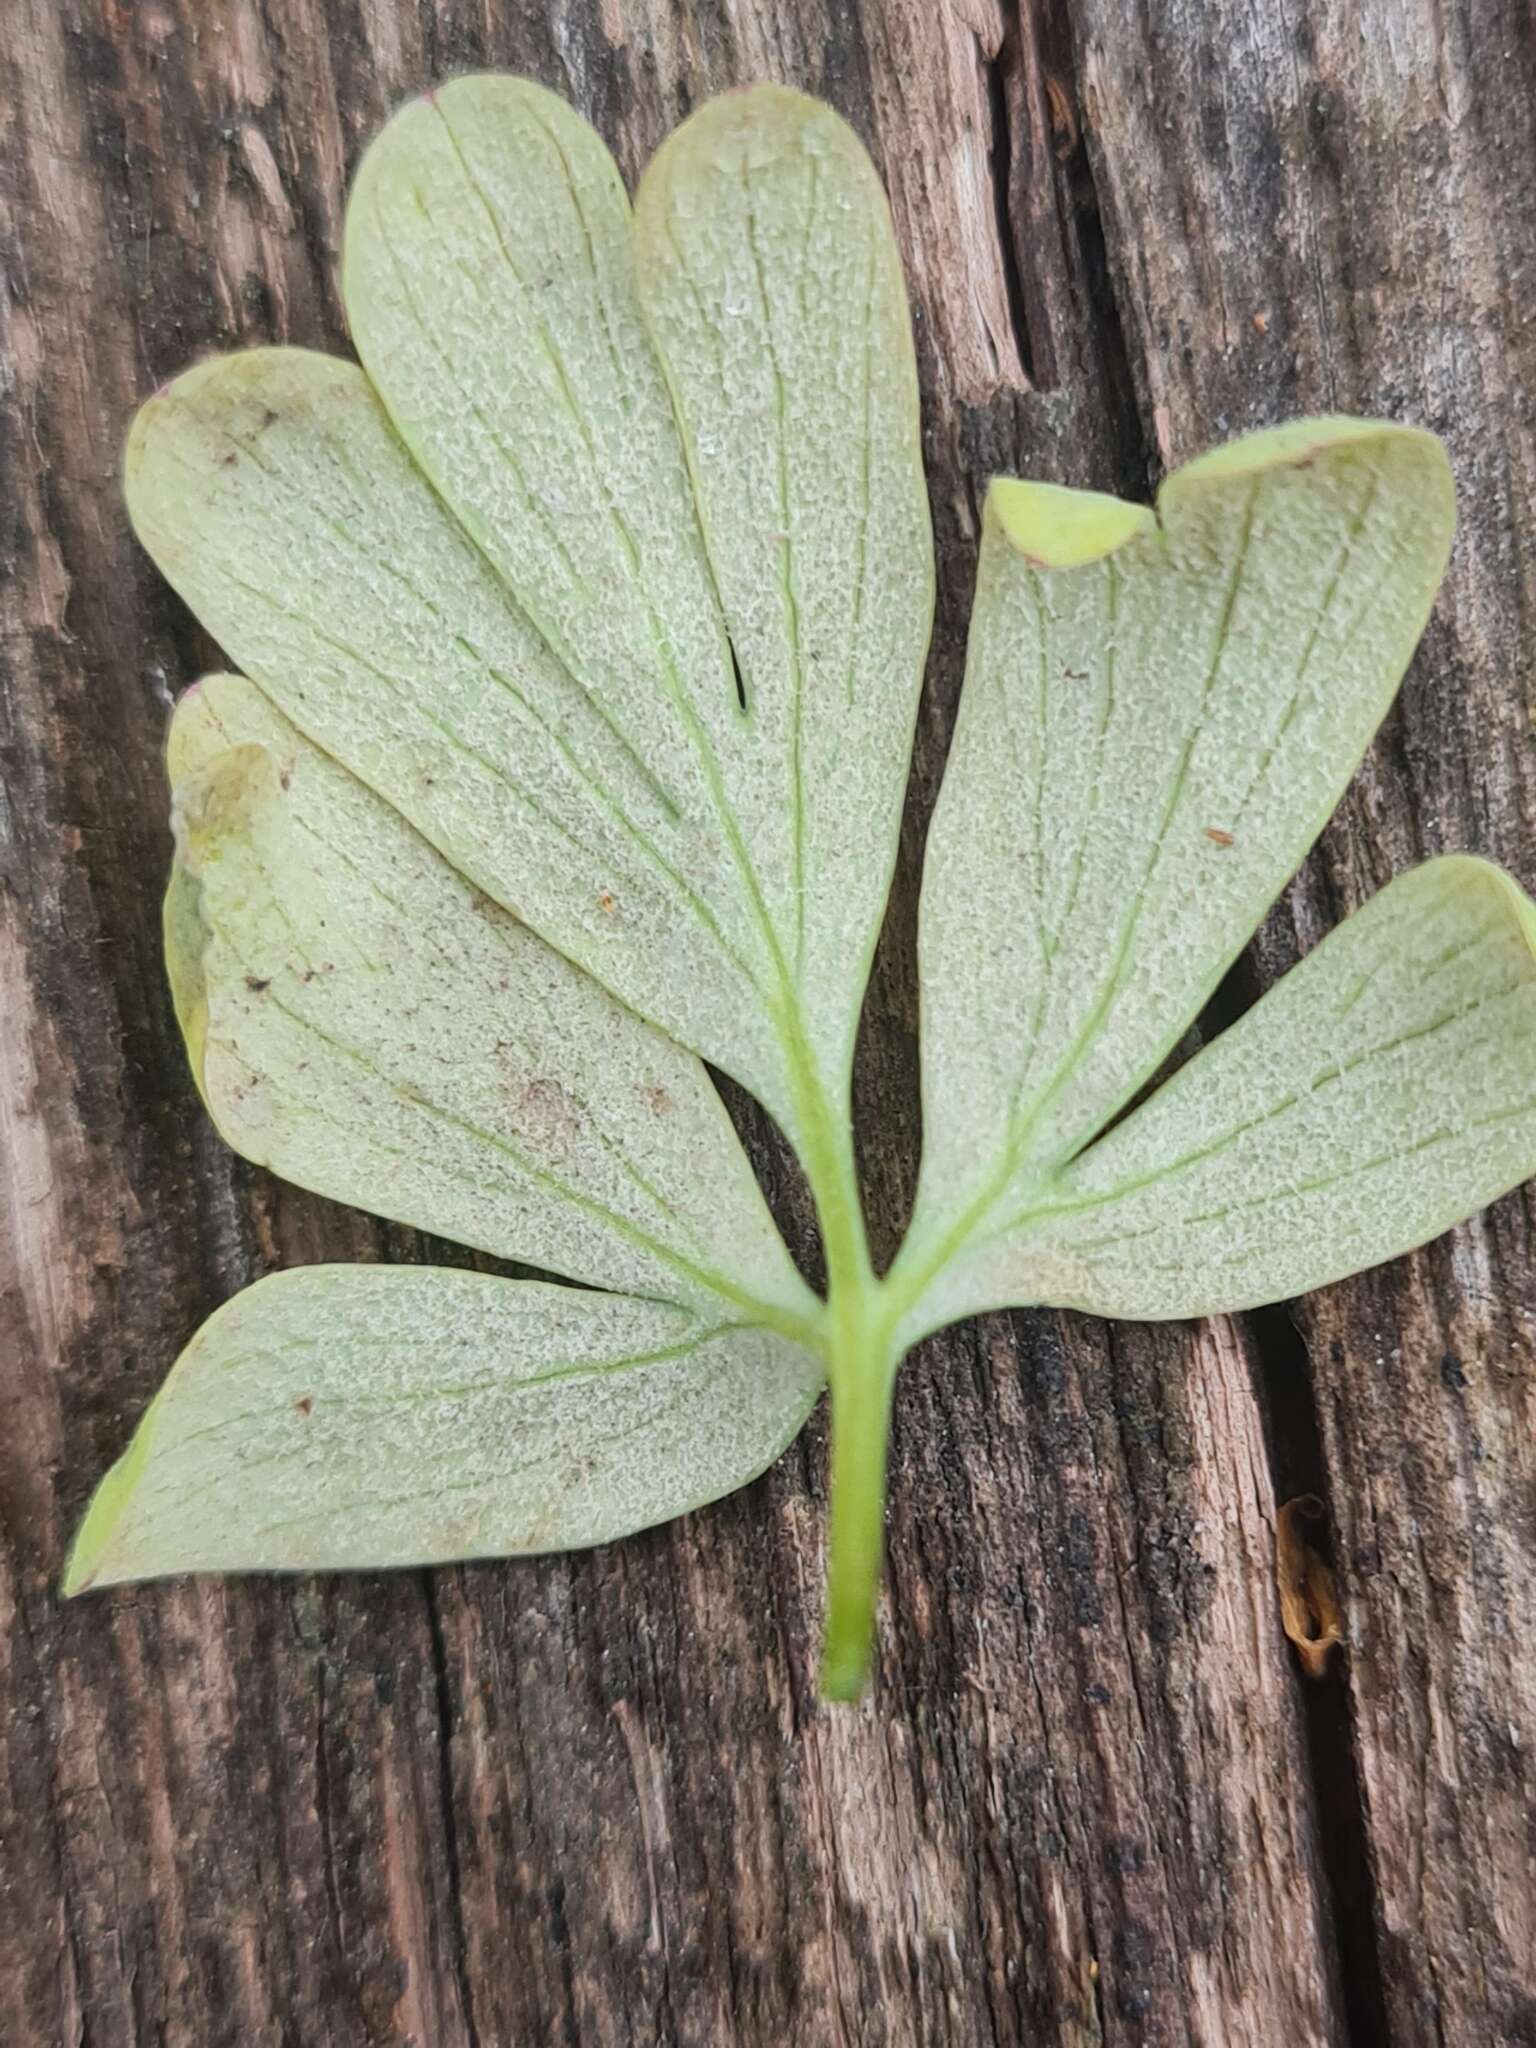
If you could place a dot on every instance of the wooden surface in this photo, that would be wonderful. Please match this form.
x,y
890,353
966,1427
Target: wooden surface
x,y
593,1800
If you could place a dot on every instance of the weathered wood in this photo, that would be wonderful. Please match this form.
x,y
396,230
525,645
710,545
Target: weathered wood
x,y
593,1799
1335,211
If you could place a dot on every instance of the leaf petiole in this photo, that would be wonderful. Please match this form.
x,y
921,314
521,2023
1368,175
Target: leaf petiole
x,y
861,1348
862,1366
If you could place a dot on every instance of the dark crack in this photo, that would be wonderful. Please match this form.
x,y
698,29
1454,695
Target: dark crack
x,y
998,70
445,1721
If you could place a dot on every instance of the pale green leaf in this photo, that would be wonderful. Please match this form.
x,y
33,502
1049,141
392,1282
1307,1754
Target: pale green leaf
x,y
1381,1092
770,281
276,497
516,636
1160,712
594,606
489,282
345,1417
367,1024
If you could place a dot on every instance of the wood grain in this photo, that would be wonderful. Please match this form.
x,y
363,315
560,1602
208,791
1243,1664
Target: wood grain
x,y
593,1800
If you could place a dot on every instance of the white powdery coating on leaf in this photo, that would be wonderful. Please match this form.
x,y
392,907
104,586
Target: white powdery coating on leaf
x,y
489,282
600,613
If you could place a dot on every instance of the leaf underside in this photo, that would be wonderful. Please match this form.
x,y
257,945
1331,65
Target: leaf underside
x,y
345,1417
1161,711
1383,1091
514,670
502,581
582,629
369,1025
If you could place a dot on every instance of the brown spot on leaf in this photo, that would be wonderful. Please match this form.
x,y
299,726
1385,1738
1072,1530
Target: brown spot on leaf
x,y
657,1099
258,984
606,902
305,1403
545,1109
1217,837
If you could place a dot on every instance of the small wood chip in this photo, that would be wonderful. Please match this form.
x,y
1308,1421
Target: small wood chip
x,y
1063,118
1309,1598
1217,837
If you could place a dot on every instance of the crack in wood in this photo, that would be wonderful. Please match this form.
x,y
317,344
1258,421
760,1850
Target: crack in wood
x,y
448,1802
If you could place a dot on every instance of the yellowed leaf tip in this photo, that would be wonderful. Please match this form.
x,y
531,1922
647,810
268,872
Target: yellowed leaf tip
x,y
1057,528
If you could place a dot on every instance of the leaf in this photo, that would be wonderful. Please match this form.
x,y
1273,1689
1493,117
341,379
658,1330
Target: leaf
x,y
1382,1092
274,495
1160,712
585,625
346,1417
365,1023
515,638
770,281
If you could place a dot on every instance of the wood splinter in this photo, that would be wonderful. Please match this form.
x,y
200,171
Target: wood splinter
x,y
1309,1599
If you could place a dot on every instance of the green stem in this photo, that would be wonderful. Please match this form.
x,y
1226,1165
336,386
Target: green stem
x,y
858,1345
862,1369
